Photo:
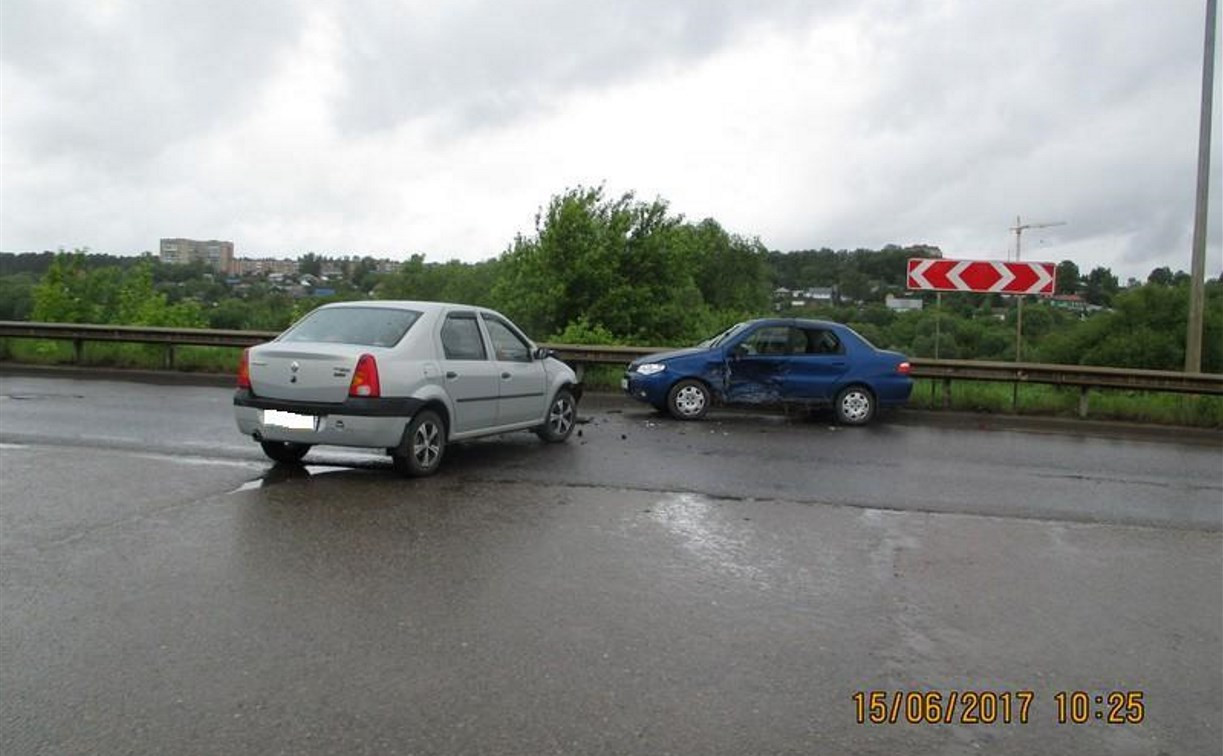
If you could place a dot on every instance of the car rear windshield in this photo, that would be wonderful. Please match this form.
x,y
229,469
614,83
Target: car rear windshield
x,y
366,326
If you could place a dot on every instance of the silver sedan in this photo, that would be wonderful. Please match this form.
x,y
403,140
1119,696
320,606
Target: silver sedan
x,y
407,377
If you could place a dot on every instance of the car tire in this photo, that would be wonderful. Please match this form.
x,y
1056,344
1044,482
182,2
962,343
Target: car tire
x,y
562,417
424,443
688,399
855,405
285,452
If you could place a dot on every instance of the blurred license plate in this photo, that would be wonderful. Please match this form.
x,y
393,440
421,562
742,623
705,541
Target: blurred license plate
x,y
288,420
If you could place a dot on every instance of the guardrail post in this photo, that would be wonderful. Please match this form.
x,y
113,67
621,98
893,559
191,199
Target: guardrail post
x,y
78,346
946,393
169,357
1015,397
1083,390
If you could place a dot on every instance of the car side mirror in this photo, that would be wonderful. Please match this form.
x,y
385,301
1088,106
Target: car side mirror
x,y
740,350
543,353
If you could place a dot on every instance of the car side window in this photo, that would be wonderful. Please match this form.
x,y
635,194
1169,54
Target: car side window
x,y
821,341
507,345
770,340
461,338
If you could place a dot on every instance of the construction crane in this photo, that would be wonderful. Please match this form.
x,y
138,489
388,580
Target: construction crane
x,y
1019,228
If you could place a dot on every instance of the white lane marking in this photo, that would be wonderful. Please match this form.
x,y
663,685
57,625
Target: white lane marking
x,y
191,459
200,461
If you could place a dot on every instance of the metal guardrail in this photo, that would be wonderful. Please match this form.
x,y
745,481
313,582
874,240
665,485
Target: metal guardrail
x,y
1084,377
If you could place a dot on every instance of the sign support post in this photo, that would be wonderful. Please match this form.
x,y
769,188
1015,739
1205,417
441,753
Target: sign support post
x,y
938,320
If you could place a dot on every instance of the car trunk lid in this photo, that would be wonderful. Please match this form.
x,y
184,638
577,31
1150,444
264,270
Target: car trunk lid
x,y
304,371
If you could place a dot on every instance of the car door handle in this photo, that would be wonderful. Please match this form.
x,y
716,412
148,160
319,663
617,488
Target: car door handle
x,y
505,376
451,375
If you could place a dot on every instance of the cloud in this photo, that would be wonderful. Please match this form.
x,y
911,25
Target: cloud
x,y
478,64
114,82
397,127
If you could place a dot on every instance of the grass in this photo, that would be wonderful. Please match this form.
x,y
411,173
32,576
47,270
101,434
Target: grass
x,y
1063,401
969,396
602,377
194,359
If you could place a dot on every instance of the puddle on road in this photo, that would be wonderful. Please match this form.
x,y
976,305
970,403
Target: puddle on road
x,y
696,521
284,473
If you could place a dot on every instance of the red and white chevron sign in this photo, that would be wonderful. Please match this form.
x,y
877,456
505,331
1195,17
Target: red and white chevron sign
x,y
982,276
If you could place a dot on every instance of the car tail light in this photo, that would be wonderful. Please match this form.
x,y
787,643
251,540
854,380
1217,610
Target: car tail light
x,y
365,380
903,368
244,370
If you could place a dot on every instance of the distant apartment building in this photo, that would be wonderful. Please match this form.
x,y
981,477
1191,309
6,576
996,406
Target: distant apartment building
x,y
815,296
902,304
218,255
244,266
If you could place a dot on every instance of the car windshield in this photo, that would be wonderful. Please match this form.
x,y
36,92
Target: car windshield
x,y
723,336
365,326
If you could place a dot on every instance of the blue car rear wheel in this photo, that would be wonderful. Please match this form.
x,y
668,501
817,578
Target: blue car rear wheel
x,y
855,405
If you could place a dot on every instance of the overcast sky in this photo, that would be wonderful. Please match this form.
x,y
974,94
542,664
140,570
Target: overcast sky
x,y
391,127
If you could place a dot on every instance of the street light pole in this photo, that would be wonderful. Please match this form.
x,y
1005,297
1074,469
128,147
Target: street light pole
x,y
1197,275
1019,228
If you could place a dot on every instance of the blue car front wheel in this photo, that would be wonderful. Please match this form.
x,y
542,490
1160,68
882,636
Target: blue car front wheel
x,y
688,399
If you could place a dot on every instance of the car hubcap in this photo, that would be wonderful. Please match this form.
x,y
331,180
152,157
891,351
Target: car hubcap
x,y
561,416
426,446
690,400
856,406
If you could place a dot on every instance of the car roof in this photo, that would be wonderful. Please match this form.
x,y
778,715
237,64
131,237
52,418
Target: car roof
x,y
405,304
798,322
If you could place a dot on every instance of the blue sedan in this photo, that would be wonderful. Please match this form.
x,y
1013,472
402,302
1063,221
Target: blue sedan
x,y
774,361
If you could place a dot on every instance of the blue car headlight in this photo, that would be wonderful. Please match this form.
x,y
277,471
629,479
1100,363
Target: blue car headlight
x,y
650,368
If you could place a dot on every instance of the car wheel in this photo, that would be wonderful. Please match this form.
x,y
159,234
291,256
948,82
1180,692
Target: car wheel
x,y
562,416
855,405
424,443
688,400
284,452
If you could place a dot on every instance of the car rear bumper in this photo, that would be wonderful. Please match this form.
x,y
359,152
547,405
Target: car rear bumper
x,y
893,391
361,422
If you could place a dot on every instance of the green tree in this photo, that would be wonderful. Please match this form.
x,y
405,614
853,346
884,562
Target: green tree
x,y
731,272
855,286
451,281
311,264
1067,279
620,264
17,296
1161,276
1100,286
69,293
60,297
229,313
1146,329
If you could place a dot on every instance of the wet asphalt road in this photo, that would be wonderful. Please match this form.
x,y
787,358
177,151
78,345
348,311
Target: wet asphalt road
x,y
650,587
